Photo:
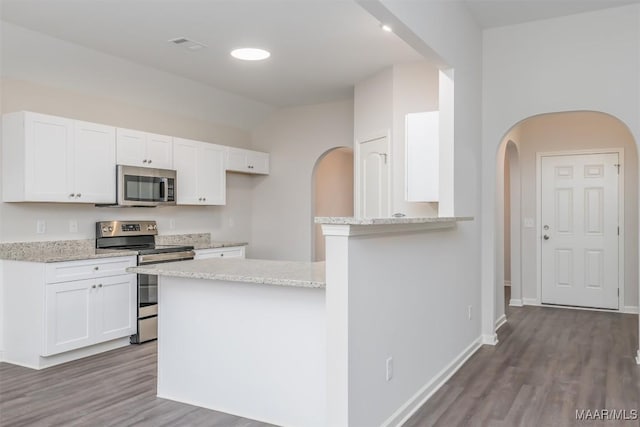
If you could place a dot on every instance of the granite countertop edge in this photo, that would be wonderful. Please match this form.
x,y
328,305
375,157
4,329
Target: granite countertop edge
x,y
388,221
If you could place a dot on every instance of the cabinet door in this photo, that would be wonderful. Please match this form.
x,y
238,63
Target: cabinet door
x,y
236,160
185,162
115,307
131,147
49,157
94,163
211,174
159,151
69,316
258,162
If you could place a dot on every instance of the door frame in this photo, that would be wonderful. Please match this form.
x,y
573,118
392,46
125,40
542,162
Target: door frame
x,y
539,156
357,184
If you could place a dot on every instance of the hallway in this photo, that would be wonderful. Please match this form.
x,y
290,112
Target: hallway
x,y
548,363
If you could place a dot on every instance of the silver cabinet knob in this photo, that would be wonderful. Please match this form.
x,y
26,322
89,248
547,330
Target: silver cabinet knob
x,y
78,195
545,237
221,255
149,161
204,199
96,268
144,161
72,195
100,285
93,286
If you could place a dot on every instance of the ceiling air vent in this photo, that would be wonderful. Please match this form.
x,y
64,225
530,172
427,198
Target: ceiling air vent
x,y
187,43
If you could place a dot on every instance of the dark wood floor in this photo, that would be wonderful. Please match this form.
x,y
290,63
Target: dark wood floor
x,y
548,363
117,388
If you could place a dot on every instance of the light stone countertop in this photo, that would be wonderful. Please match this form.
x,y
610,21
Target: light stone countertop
x,y
57,251
346,220
280,273
197,240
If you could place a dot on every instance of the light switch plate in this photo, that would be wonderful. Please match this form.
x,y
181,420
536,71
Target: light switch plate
x,y
41,226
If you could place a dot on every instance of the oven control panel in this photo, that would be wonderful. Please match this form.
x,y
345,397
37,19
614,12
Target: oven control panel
x,y
126,228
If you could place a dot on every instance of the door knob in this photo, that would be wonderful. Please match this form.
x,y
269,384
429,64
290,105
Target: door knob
x,y
545,237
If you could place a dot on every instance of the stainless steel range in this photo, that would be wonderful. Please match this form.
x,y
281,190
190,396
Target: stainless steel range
x,y
139,236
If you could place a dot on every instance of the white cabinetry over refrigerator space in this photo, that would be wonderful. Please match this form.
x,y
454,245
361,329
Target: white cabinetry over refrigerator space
x,y
247,161
57,312
54,159
200,169
136,148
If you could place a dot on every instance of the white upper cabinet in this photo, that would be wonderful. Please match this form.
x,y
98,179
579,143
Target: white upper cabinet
x,y
247,161
136,148
200,168
54,159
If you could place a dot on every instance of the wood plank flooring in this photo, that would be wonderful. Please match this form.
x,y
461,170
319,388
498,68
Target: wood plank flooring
x,y
116,388
548,363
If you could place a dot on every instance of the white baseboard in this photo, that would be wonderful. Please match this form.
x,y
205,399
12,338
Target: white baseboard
x,y
501,321
1,356
638,358
530,301
515,303
630,309
417,400
507,283
489,339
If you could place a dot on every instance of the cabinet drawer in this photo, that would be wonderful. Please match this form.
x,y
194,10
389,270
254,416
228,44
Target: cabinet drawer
x,y
87,269
231,252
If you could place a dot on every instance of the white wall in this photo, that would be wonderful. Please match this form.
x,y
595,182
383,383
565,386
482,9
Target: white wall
x,y
282,220
587,62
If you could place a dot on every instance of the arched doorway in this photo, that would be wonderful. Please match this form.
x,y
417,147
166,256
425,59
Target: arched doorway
x,y
560,134
332,192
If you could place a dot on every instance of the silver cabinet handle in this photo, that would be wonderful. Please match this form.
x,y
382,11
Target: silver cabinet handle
x,y
100,285
96,268
72,195
144,161
204,199
545,237
221,255
149,161
78,195
93,286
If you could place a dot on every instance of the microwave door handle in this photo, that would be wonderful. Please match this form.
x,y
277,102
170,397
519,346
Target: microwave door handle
x,y
165,184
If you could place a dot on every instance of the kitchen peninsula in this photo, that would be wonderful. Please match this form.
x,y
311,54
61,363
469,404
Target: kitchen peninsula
x,y
309,344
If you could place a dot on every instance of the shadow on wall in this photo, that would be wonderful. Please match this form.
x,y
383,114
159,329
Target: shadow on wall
x,y
332,186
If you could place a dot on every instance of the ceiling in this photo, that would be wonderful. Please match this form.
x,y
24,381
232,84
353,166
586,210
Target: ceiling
x,y
498,13
320,49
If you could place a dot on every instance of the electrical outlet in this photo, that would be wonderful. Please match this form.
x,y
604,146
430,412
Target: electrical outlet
x,y
389,368
172,224
529,223
73,226
41,226
470,309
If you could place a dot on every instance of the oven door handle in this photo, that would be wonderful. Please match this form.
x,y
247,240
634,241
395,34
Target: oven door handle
x,y
169,256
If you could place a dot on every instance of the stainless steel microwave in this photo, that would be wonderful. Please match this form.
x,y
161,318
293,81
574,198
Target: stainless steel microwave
x,y
145,187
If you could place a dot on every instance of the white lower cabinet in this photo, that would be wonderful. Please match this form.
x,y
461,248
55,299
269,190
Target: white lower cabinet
x,y
228,252
62,311
86,312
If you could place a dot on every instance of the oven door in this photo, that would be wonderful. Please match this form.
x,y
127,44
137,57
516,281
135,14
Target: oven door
x,y
147,295
145,186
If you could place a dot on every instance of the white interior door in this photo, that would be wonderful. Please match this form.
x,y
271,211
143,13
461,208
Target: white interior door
x,y
374,178
579,195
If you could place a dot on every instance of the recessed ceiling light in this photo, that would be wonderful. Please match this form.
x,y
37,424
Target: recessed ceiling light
x,y
250,54
386,28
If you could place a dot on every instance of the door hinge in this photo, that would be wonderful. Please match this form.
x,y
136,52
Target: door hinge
x,y
618,230
617,165
618,291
